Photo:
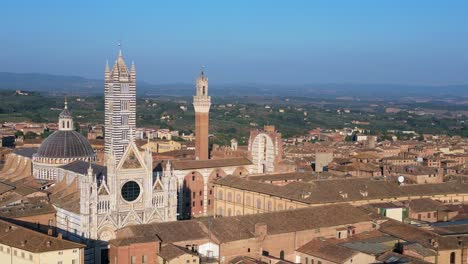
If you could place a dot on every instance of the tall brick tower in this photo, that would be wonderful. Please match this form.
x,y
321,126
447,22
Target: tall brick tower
x,y
201,103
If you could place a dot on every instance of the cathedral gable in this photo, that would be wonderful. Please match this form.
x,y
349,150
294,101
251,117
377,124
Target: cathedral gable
x,y
131,162
103,190
131,158
158,186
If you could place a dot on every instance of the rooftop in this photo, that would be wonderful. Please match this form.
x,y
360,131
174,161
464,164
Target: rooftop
x,y
32,241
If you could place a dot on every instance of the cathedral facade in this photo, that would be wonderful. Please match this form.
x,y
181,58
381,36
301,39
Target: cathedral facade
x,y
93,201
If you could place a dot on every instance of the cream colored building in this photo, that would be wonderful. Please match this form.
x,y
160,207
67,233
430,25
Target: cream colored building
x,y
162,146
19,245
238,196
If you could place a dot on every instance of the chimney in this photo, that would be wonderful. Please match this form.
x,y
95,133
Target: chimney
x,y
261,230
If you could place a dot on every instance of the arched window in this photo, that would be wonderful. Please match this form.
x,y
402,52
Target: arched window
x,y
238,198
259,204
238,212
229,197
282,254
220,195
452,258
229,212
247,200
280,207
307,260
269,206
220,211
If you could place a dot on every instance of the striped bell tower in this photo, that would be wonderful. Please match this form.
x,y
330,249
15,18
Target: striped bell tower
x,y
119,107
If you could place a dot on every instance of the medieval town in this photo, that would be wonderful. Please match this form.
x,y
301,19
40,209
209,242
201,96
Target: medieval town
x,y
128,194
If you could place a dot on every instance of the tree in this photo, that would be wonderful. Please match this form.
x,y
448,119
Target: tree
x,y
46,133
30,135
19,134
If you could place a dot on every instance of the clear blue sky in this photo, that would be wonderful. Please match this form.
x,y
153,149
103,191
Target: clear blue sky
x,y
311,41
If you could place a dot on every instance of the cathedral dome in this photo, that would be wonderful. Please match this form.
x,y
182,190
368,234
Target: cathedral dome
x,y
65,144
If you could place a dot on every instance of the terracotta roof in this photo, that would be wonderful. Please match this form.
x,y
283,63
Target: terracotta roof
x,y
245,260
66,196
342,190
414,234
168,232
32,241
425,205
227,229
5,187
169,252
298,176
213,163
27,209
358,166
323,249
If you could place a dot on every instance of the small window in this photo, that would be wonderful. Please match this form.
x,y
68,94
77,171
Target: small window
x,y
201,203
194,194
248,250
124,88
132,260
193,204
124,120
188,261
144,259
31,257
23,255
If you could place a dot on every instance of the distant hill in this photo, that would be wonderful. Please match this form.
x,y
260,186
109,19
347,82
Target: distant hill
x,y
57,84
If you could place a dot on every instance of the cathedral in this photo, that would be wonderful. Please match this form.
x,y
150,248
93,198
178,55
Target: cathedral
x,y
92,201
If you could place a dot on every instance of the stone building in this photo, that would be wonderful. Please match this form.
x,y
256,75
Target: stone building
x,y
237,196
266,149
22,245
271,236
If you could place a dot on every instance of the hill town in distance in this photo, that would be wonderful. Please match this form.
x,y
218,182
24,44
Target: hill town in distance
x,y
122,171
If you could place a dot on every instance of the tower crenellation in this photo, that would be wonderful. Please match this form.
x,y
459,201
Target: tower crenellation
x,y
201,104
